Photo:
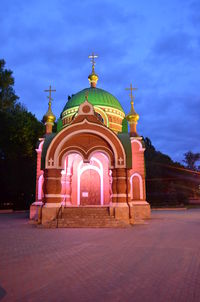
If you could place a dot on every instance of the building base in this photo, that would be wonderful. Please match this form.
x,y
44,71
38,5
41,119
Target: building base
x,y
120,211
36,210
139,210
114,215
50,212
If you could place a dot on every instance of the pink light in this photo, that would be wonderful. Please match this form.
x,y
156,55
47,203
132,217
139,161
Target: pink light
x,y
40,183
74,167
90,167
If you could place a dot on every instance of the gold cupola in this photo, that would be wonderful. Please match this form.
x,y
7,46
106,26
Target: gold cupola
x,y
49,118
132,117
93,77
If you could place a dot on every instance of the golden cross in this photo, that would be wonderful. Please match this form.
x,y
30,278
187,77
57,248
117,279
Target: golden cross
x,y
92,57
50,91
131,94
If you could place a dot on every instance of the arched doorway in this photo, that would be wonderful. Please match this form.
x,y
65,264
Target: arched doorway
x,y
90,186
91,180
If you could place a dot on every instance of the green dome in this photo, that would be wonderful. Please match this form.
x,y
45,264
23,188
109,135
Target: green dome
x,y
96,96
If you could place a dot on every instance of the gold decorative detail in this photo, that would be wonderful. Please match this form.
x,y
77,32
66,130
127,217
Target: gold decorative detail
x,y
132,117
93,77
86,95
49,117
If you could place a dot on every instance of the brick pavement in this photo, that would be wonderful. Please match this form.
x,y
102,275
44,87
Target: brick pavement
x,y
159,261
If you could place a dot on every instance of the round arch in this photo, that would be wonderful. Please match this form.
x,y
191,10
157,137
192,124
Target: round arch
x,y
105,137
100,173
136,141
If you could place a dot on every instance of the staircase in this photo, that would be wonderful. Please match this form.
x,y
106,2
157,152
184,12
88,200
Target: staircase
x,y
85,217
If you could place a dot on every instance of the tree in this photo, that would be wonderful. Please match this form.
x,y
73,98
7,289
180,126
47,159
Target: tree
x,y
19,132
191,159
8,97
165,179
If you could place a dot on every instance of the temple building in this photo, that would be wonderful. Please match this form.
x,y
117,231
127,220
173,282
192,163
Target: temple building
x,y
90,172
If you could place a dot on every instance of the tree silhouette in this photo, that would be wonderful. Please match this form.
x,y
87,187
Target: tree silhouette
x,y
19,132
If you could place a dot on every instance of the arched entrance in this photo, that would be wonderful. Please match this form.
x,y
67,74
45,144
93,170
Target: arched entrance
x,y
86,183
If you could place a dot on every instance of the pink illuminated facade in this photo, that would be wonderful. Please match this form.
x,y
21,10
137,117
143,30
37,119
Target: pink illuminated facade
x,y
91,162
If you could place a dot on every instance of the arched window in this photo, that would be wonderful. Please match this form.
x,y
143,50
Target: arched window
x,y
136,187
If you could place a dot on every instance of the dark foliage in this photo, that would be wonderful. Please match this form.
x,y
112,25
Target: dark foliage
x,y
19,132
191,160
168,183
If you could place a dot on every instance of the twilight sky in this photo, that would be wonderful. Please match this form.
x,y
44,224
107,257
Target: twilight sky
x,y
155,45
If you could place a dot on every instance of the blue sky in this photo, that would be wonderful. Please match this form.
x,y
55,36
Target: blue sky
x,y
155,45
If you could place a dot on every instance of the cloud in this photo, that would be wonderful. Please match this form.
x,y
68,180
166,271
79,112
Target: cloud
x,y
174,45
194,9
172,123
48,42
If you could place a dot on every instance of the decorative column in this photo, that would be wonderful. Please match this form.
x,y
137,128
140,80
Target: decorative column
x,y
52,195
114,185
35,207
68,188
52,187
128,185
110,185
38,172
121,185
121,208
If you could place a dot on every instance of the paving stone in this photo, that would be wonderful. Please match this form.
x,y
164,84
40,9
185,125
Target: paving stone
x,y
159,261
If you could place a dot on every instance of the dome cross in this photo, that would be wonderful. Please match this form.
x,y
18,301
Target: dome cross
x,y
93,78
49,96
131,94
93,57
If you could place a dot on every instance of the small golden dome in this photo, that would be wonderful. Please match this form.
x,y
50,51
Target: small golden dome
x,y
93,78
132,116
49,117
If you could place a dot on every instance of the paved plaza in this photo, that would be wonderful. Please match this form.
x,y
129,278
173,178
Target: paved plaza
x,y
158,261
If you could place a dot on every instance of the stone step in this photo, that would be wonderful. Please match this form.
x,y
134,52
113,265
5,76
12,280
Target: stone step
x,y
85,212
86,209
76,216
85,217
87,221
93,226
86,224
